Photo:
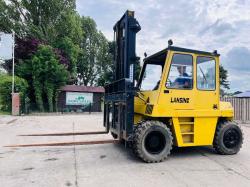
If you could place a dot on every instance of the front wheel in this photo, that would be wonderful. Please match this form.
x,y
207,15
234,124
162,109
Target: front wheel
x,y
228,138
152,141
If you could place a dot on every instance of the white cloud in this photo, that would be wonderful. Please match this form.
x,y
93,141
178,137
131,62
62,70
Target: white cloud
x,y
237,62
206,25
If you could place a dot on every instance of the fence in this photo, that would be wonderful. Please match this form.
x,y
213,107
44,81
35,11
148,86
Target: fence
x,y
97,106
241,107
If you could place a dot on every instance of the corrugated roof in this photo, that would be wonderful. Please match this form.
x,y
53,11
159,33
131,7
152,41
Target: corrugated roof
x,y
244,94
77,88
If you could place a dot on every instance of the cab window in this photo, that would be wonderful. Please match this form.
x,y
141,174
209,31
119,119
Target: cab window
x,y
206,73
181,72
151,77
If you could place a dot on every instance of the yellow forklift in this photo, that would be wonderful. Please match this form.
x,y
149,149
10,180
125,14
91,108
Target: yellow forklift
x,y
176,101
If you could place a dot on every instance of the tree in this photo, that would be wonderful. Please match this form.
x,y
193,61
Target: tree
x,y
34,18
69,26
73,46
53,22
9,18
56,23
47,76
71,52
107,73
137,69
106,63
94,57
25,49
224,83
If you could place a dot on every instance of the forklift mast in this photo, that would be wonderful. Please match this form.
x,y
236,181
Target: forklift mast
x,y
119,95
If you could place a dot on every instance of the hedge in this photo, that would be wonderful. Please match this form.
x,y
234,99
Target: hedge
x,y
21,86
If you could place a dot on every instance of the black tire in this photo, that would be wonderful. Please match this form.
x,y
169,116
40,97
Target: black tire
x,y
228,138
152,141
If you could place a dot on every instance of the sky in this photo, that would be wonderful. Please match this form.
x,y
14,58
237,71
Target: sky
x,y
207,25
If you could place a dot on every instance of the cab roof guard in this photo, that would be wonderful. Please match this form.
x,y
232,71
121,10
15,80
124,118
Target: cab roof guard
x,y
180,49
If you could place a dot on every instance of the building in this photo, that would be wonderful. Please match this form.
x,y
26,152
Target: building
x,y
80,98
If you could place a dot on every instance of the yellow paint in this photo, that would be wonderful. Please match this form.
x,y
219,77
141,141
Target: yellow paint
x,y
137,118
193,123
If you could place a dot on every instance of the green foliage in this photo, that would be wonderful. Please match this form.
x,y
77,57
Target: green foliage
x,y
21,86
70,27
94,61
71,51
34,17
107,66
224,83
4,112
137,69
106,62
87,66
76,41
9,18
57,23
47,76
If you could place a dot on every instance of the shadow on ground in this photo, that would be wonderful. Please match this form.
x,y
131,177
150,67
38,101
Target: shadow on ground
x,y
176,152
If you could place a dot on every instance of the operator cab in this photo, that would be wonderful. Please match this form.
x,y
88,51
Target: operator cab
x,y
180,77
181,71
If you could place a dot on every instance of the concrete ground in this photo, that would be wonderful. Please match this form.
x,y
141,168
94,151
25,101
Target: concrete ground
x,y
106,165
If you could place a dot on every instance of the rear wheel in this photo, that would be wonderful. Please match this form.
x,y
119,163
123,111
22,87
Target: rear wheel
x,y
228,138
152,141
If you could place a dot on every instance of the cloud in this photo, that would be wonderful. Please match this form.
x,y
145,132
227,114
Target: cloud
x,y
237,62
206,25
217,28
238,58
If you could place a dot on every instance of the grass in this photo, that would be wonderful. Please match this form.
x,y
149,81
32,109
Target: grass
x,y
4,112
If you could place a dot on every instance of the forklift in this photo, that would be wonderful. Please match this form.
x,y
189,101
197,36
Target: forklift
x,y
176,101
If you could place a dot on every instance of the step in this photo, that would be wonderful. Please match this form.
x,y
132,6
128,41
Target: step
x,y
184,133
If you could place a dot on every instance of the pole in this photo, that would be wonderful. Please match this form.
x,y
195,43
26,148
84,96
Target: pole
x,y
13,61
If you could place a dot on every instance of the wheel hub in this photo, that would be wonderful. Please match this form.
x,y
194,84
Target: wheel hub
x,y
231,138
155,142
